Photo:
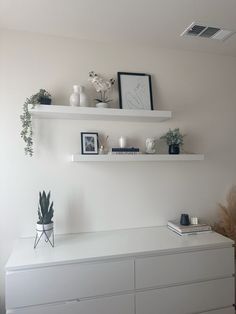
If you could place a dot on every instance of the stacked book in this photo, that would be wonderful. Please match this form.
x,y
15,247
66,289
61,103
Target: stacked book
x,y
125,150
190,229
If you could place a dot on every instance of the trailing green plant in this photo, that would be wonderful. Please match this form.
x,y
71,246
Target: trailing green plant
x,y
45,209
26,120
173,137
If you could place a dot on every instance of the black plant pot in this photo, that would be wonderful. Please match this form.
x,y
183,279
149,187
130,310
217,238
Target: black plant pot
x,y
174,149
45,101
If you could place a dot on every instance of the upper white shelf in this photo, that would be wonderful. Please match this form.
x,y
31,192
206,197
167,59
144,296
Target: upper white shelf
x,y
91,113
138,157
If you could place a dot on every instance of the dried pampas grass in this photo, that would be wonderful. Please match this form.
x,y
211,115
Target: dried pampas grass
x,y
227,220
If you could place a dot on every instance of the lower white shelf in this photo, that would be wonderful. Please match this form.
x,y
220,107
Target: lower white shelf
x,y
133,158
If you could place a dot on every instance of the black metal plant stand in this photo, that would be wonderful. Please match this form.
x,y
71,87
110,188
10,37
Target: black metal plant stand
x,y
47,239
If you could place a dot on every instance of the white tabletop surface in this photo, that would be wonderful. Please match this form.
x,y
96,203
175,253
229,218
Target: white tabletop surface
x,y
94,246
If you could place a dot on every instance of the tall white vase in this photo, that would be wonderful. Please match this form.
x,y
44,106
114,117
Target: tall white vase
x,y
75,96
83,97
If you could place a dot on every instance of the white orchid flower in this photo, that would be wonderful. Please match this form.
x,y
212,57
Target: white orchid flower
x,y
101,86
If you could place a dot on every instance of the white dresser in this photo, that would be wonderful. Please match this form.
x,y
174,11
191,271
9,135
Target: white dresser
x,y
133,271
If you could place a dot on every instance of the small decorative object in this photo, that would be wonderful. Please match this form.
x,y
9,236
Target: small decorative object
x,y
44,228
43,98
75,96
194,220
122,142
184,220
226,224
150,145
135,91
102,150
103,144
83,97
102,87
89,143
174,140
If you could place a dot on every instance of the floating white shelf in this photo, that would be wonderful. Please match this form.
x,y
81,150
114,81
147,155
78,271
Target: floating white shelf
x,y
91,113
133,158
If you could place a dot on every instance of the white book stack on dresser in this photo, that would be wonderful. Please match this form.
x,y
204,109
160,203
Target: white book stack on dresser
x,y
133,271
175,226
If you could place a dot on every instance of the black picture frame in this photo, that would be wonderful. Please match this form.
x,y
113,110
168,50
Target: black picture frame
x,y
137,101
89,143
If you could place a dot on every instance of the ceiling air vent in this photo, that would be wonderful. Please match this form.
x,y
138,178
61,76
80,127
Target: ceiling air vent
x,y
197,30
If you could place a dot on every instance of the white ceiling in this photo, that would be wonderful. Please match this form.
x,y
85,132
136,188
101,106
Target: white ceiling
x,y
150,22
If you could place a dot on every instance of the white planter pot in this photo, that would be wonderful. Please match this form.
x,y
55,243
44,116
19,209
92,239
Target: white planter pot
x,y
102,105
47,229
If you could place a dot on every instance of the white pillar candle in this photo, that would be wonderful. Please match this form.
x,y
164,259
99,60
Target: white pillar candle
x,y
194,220
122,142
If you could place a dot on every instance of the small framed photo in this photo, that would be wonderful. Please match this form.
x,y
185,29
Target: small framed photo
x,y
135,91
89,143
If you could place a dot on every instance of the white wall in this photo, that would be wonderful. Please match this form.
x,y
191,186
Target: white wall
x,y
199,88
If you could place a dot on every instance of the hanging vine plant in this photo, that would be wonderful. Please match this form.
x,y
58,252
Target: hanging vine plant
x,y
42,97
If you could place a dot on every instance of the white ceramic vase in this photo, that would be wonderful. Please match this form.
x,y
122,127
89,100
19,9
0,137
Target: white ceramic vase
x,y
75,96
102,105
83,98
48,229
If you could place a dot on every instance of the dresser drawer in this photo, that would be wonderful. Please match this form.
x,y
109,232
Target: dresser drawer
x,y
184,267
115,305
185,299
67,282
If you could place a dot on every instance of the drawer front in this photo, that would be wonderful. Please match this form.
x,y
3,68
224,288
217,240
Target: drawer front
x,y
115,305
67,282
184,267
185,299
229,310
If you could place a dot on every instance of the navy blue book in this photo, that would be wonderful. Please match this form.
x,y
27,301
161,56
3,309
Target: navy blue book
x,y
125,150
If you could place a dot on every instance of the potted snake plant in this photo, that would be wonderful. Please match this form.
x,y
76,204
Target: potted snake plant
x,y
45,215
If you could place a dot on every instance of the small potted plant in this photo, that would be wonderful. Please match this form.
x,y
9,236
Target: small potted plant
x,y
45,215
102,87
174,139
43,98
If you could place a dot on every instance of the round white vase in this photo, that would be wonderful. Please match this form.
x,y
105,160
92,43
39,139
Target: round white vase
x,y
47,229
75,96
102,105
83,98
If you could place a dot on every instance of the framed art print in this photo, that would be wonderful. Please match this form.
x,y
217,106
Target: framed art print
x,y
89,143
135,91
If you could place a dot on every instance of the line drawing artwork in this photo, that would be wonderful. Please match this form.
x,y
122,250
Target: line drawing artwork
x,y
137,96
89,143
